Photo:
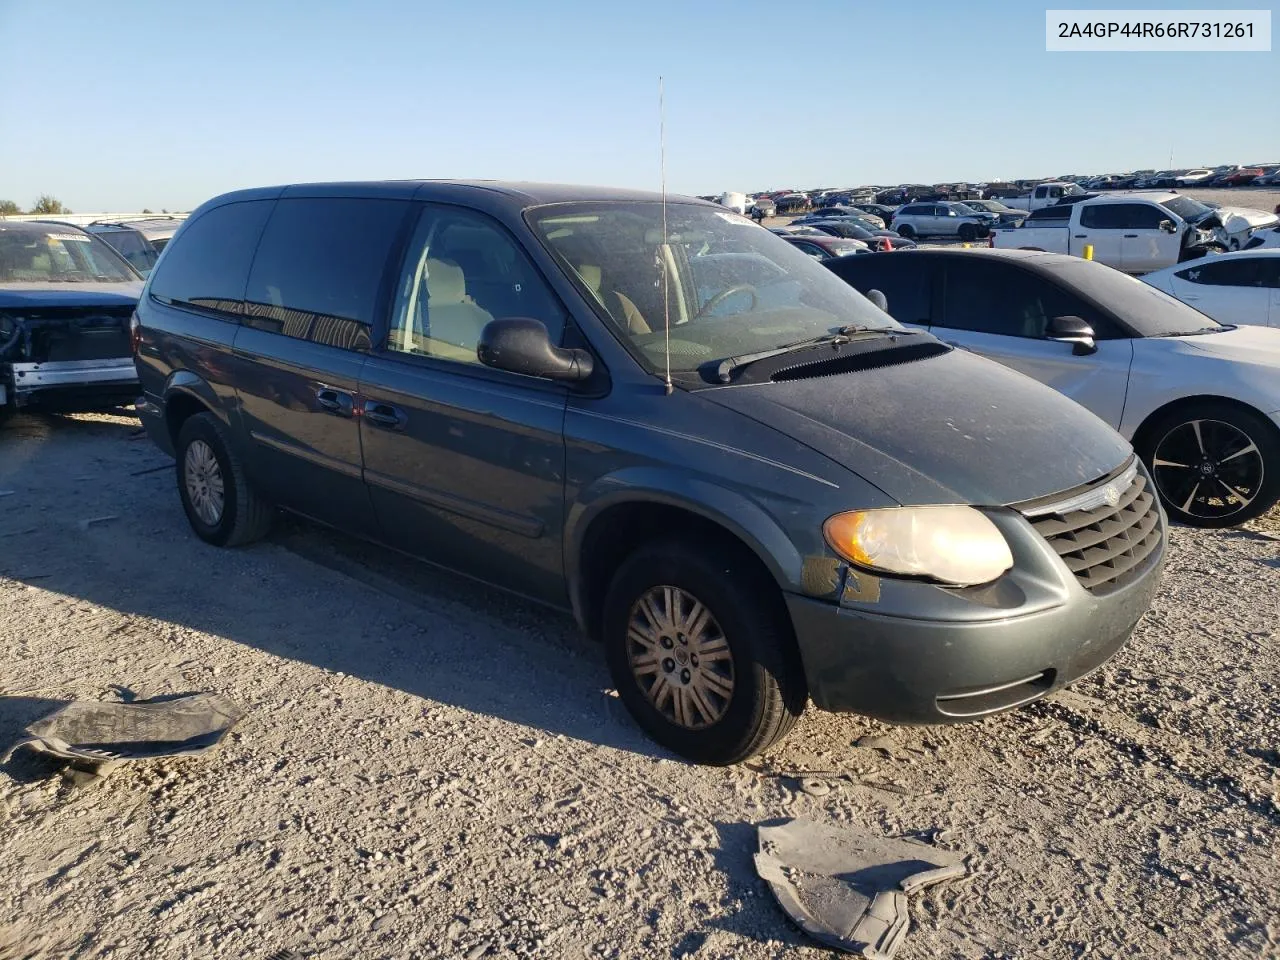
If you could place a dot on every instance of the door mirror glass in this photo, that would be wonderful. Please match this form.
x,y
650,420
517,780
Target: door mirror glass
x,y
880,301
1168,226
522,345
1075,331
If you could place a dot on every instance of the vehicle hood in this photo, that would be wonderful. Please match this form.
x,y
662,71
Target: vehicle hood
x,y
32,295
955,428
1236,219
1246,344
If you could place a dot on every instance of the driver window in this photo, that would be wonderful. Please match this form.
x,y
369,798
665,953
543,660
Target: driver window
x,y
462,271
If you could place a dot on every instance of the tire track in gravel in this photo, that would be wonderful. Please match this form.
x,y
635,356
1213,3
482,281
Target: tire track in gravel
x,y
1141,746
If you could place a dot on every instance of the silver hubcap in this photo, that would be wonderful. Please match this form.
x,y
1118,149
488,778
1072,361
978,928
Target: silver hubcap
x,y
203,479
680,657
1208,468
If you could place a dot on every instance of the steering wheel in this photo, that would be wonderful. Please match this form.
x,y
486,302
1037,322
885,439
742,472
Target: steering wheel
x,y
724,295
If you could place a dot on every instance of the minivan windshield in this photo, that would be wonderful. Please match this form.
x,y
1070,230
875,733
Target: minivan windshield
x,y
51,253
725,286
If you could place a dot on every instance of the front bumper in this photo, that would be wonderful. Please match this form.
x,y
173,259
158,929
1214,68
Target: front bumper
x,y
912,652
71,384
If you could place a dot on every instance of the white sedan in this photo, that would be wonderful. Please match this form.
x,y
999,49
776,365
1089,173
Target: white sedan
x,y
1266,238
1232,288
1199,401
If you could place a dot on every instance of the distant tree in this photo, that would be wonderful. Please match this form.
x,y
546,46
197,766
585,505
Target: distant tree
x,y
163,210
145,210
49,205
8,207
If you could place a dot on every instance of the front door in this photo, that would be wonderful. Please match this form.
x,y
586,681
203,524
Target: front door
x,y
309,307
1143,245
1002,312
465,464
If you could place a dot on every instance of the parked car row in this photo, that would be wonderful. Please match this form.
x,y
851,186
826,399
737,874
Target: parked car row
x,y
1227,175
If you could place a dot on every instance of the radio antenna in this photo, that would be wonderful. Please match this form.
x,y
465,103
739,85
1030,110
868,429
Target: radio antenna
x,y
664,250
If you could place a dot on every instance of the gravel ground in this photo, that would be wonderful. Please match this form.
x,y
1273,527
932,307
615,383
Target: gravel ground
x,y
426,769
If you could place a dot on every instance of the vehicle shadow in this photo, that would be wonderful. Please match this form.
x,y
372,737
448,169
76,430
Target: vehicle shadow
x,y
760,918
306,594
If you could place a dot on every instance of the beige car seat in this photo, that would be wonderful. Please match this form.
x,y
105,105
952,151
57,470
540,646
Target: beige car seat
x,y
622,308
453,319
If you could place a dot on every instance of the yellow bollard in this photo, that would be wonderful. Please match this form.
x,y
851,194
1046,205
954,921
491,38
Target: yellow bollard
x,y
967,245
1088,251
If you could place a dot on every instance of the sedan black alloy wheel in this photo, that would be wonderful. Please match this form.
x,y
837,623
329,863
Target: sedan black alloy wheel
x,y
1208,469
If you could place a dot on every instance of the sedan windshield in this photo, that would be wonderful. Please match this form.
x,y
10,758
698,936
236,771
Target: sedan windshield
x,y
48,253
725,286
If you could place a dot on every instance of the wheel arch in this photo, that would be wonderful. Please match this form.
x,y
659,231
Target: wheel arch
x,y
1142,435
185,395
623,511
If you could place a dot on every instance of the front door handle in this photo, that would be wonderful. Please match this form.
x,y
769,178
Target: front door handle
x,y
1131,236
335,401
1082,236
385,415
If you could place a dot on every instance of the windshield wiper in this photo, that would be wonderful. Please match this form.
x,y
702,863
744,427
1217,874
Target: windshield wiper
x,y
725,368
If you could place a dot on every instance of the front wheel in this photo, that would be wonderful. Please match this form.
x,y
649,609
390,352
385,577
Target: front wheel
x,y
702,652
968,232
1214,464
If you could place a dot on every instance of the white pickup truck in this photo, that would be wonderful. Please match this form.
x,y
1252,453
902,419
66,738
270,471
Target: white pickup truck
x,y
1044,195
1133,232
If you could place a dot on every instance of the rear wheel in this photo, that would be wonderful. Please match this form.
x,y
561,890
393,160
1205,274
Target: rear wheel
x,y
220,504
1214,464
906,231
702,652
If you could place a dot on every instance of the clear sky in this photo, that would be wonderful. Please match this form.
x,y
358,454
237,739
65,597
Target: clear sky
x,y
164,103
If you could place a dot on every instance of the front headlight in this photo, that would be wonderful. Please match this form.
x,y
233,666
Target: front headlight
x,y
957,545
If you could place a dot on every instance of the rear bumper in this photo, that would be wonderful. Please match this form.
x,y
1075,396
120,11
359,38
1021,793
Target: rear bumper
x,y
152,416
71,384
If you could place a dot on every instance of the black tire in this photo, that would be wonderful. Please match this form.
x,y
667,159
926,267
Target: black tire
x,y
768,690
244,516
906,231
1224,428
968,233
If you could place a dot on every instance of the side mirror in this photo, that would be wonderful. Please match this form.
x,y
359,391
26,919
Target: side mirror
x,y
1168,226
879,299
522,345
1075,331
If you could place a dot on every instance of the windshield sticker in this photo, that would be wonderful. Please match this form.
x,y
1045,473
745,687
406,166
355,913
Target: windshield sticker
x,y
78,238
734,218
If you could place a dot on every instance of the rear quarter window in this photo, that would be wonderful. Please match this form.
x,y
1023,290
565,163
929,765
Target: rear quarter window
x,y
209,261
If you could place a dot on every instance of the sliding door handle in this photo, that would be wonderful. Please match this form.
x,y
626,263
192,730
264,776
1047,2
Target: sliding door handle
x,y
385,415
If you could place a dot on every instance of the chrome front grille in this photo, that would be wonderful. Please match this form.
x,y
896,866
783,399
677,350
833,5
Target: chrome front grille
x,y
1105,534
